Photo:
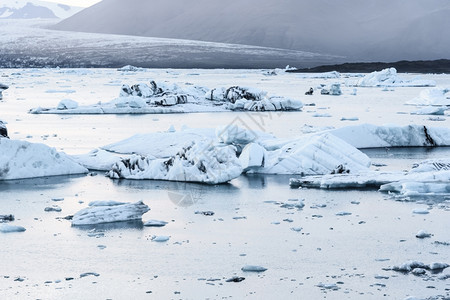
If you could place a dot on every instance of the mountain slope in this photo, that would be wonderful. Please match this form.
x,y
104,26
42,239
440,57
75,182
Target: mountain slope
x,y
352,28
34,9
27,43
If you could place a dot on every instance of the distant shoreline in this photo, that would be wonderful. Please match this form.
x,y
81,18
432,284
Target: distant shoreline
x,y
404,66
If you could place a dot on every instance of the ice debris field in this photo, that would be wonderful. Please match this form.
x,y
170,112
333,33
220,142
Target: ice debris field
x,y
233,180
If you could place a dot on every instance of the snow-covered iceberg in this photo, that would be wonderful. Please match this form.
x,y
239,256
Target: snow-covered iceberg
x,y
250,99
319,154
389,78
432,97
372,136
199,162
20,159
107,212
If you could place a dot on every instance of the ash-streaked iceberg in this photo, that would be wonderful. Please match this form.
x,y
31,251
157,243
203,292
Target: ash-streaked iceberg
x,y
108,212
199,162
373,136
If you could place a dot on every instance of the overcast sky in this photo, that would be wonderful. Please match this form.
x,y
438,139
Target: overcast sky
x,y
82,3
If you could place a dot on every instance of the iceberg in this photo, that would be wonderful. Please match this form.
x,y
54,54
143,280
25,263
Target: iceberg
x,y
109,212
431,110
249,99
20,159
199,162
333,89
432,97
160,98
389,78
319,154
372,136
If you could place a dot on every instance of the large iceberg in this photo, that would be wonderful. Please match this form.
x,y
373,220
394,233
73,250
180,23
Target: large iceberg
x,y
20,159
389,78
100,212
199,162
432,97
159,98
372,136
319,154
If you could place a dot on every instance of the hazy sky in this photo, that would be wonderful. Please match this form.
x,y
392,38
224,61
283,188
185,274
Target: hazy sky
x,y
82,3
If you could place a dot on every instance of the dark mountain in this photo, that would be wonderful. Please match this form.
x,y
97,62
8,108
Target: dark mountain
x,y
368,30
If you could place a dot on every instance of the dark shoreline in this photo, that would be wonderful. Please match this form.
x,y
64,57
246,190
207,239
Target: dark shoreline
x,y
404,66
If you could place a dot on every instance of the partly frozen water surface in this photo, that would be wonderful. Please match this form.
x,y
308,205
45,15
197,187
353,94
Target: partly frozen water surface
x,y
309,252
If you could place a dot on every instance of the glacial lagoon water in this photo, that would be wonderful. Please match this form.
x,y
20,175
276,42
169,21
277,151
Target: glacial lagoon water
x,y
336,247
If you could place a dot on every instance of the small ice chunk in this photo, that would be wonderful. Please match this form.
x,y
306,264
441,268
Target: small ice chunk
x,y
343,213
160,238
155,223
423,234
328,286
438,266
6,228
53,208
419,271
420,211
253,268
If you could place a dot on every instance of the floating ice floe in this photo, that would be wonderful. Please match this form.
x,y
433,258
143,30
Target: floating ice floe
x,y
130,68
333,89
7,228
155,98
199,162
250,99
155,223
19,159
432,97
431,110
389,78
252,268
3,130
108,212
320,154
372,136
160,238
410,266
429,178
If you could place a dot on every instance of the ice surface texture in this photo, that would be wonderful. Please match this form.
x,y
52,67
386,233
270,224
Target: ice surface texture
x,y
19,159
